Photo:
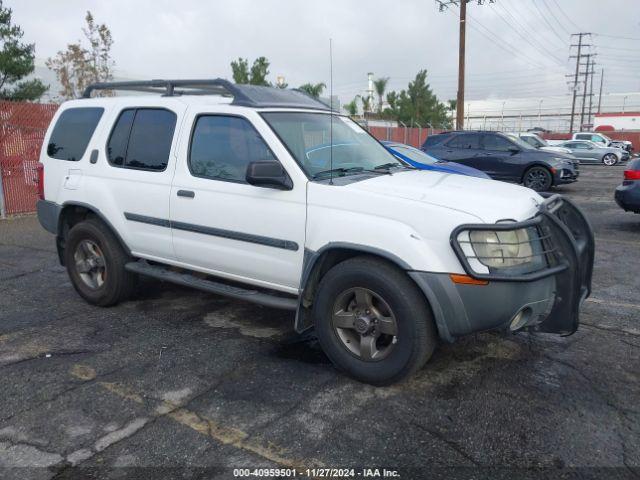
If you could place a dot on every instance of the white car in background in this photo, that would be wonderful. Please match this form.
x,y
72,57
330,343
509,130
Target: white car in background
x,y
540,143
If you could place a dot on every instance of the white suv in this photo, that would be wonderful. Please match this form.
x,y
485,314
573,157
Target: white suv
x,y
266,195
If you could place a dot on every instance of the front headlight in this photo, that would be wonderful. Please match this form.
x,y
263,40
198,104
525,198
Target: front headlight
x,y
501,248
519,250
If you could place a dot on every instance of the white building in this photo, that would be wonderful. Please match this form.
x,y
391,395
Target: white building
x,y
619,121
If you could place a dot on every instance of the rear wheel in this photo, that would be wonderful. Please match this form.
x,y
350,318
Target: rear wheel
x,y
538,179
610,159
372,321
95,263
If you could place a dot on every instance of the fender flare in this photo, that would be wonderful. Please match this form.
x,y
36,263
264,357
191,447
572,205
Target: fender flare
x,y
312,263
96,211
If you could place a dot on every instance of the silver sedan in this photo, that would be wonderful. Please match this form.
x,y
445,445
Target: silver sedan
x,y
590,152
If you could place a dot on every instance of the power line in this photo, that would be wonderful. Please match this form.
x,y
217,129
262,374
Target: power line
x,y
566,16
498,42
618,37
540,48
544,17
524,24
566,31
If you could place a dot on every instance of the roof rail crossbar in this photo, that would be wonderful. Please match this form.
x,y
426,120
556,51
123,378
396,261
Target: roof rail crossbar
x,y
243,95
168,87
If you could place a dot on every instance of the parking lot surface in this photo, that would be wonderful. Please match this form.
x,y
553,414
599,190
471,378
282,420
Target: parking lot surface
x,y
181,384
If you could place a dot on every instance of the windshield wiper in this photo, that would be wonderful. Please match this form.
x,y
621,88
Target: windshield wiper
x,y
388,166
344,171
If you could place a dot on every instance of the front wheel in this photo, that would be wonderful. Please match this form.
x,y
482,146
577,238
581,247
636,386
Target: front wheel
x,y
538,179
372,321
610,159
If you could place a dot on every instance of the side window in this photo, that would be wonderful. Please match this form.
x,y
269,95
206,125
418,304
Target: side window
x,y
467,141
583,136
433,140
223,146
72,133
496,143
141,139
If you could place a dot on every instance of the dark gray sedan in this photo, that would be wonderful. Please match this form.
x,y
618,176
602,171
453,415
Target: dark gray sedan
x,y
590,152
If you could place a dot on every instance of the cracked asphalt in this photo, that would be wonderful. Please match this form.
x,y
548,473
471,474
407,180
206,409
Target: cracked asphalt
x,y
182,384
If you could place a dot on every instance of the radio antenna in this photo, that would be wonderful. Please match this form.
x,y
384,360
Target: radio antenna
x,y
331,107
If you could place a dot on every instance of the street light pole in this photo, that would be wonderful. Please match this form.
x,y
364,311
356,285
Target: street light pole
x,y
540,109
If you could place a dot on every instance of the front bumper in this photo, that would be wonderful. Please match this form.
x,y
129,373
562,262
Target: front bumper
x,y
547,300
565,175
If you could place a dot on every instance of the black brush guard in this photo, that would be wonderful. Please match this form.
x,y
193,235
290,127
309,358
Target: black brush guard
x,y
568,245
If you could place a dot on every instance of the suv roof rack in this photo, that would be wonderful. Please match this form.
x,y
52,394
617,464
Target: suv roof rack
x,y
243,95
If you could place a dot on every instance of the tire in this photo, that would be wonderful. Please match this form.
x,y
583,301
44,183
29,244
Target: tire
x,y
538,178
610,159
102,282
416,337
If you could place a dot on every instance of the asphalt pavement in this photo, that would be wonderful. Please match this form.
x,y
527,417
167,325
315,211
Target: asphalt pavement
x,y
181,384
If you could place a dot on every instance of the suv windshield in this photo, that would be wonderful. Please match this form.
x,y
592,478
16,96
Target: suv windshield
x,y
308,137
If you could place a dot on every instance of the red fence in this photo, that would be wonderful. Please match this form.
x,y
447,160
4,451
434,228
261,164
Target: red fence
x,y
23,126
410,136
22,129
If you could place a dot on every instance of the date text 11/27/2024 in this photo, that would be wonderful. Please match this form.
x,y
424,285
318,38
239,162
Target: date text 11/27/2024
x,y
316,472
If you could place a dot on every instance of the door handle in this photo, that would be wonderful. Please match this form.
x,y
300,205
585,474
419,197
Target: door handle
x,y
186,193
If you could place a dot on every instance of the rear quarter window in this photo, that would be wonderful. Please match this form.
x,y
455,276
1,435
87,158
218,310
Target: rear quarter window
x,y
72,133
433,140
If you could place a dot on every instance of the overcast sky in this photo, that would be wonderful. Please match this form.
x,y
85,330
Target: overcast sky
x,y
515,48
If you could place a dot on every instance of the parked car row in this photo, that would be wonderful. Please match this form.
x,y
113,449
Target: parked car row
x,y
505,157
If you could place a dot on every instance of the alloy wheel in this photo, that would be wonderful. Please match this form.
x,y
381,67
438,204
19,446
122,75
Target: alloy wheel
x,y
365,324
537,179
610,159
90,264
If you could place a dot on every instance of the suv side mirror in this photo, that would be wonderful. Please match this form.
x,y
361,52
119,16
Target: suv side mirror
x,y
269,174
514,150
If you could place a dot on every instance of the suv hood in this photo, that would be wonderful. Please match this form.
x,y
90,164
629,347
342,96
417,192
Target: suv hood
x,y
487,200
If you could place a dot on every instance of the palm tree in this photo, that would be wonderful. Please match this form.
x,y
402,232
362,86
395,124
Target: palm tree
x,y
366,104
352,106
313,89
380,85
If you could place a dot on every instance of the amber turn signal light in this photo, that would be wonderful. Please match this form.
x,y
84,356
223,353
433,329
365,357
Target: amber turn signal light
x,y
466,280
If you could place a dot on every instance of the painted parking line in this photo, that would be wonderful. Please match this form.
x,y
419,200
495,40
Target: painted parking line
x,y
610,303
633,243
206,426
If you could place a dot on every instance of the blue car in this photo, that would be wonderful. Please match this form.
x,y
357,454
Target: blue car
x,y
423,161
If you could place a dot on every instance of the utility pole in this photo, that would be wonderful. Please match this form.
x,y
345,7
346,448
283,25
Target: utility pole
x,y
575,78
591,90
587,72
600,96
462,4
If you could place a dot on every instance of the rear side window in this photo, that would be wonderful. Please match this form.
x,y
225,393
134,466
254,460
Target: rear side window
x,y
72,133
222,147
496,143
466,141
634,165
141,139
433,140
